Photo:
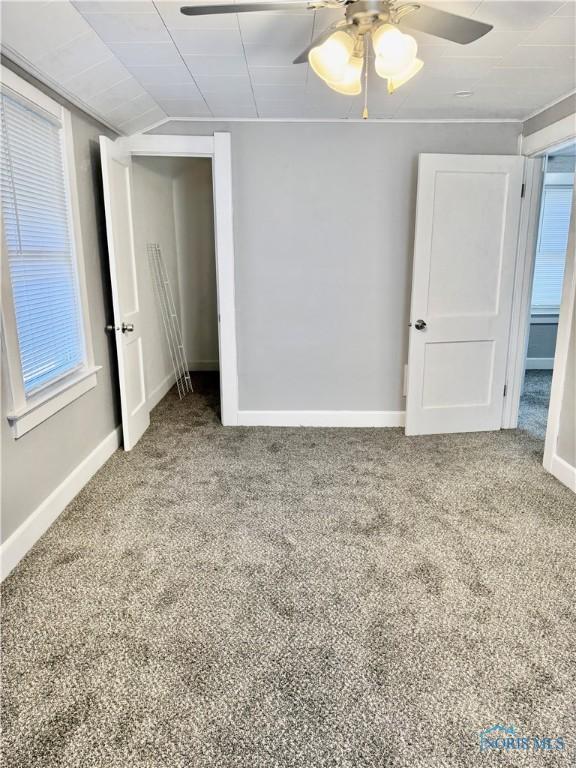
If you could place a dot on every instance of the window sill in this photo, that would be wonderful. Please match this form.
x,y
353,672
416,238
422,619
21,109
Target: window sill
x,y
48,403
543,317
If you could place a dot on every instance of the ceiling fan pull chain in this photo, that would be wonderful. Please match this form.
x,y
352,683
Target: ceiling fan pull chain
x,y
366,57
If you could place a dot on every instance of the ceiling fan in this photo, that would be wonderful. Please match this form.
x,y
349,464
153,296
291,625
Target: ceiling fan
x,y
339,54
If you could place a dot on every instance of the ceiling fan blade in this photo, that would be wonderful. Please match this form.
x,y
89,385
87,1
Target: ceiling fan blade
x,y
459,29
202,10
303,57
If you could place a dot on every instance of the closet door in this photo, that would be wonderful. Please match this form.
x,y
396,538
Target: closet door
x,y
467,219
116,177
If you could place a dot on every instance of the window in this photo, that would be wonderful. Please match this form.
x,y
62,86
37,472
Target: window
x,y
44,321
551,249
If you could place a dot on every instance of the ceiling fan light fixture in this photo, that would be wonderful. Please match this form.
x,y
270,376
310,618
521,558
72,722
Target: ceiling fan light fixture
x,y
395,52
398,80
350,84
330,60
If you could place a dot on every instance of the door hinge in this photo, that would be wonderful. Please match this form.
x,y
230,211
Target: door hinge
x,y
505,389
523,190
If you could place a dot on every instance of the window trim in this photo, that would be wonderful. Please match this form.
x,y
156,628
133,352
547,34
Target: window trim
x,y
25,413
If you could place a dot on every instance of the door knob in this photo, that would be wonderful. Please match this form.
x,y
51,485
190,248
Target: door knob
x,y
110,328
420,325
127,327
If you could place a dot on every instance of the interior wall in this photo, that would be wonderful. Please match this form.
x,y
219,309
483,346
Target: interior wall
x,y
173,207
37,463
542,340
566,445
553,114
567,432
153,179
194,217
324,230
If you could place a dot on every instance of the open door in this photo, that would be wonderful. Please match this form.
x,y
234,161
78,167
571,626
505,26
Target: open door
x,y
467,220
116,178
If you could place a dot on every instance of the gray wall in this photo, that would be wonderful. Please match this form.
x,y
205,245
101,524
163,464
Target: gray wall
x,y
194,216
542,339
153,201
551,115
34,465
567,430
324,229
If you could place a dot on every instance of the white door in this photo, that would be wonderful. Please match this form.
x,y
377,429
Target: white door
x,y
116,177
467,219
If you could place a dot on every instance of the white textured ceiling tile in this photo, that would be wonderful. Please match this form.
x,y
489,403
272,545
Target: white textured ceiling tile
x,y
555,31
279,108
225,84
495,43
524,77
142,122
128,27
516,14
216,65
295,74
238,110
170,12
210,42
157,75
147,54
559,56
270,56
130,109
99,78
289,92
34,29
181,91
114,6
178,108
459,7
80,54
117,95
288,29
568,10
451,68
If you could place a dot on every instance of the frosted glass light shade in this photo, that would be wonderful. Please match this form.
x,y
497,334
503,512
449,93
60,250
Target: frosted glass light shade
x,y
329,60
403,77
395,52
350,84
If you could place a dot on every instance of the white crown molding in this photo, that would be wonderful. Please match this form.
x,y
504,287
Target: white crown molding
x,y
339,120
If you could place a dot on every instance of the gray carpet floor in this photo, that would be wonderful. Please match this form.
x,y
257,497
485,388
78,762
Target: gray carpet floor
x,y
296,598
533,414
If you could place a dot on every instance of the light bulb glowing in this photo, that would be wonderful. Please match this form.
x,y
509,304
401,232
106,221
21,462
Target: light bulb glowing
x,y
329,60
350,84
403,77
395,52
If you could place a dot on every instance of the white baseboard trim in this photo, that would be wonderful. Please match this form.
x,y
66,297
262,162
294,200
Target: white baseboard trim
x,y
28,533
204,365
321,418
160,391
564,472
539,363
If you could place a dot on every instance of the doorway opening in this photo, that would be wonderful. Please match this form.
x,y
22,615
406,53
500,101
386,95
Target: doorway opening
x,y
174,208
546,293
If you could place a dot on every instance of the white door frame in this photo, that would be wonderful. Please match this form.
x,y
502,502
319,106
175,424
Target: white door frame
x,y
552,138
534,147
218,148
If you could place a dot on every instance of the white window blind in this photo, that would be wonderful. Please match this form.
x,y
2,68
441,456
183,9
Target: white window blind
x,y
552,247
39,245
